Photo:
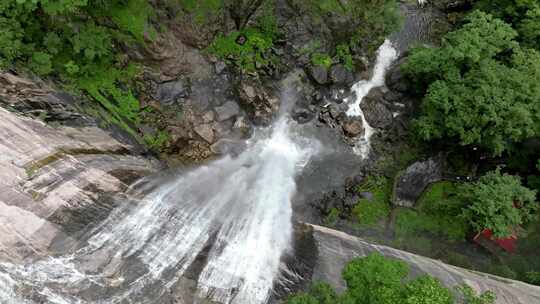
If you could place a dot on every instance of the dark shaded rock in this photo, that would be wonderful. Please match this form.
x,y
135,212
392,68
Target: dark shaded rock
x,y
302,115
353,127
319,74
410,184
340,75
395,80
169,92
228,110
375,111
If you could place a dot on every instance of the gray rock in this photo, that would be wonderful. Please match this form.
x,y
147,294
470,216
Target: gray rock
x,y
340,75
220,67
395,80
335,248
353,127
228,110
375,111
319,74
410,184
168,92
205,131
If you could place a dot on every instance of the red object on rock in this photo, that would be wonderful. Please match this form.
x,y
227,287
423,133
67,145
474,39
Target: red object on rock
x,y
487,240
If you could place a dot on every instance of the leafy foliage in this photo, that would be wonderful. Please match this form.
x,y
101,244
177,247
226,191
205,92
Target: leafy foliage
x,y
524,15
343,53
250,48
323,60
481,86
497,202
79,42
375,279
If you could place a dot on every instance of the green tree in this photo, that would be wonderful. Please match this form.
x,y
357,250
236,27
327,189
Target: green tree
x,y
498,202
481,88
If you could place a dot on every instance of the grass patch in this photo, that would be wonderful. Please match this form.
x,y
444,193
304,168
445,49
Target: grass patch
x,y
437,213
370,212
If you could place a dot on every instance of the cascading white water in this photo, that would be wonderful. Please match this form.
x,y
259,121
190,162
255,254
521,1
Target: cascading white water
x,y
235,211
386,54
239,206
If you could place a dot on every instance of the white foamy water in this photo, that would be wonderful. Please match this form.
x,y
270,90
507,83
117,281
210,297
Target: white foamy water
x,y
386,54
236,209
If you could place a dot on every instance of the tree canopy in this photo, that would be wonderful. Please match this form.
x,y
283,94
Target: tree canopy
x,y
481,86
497,202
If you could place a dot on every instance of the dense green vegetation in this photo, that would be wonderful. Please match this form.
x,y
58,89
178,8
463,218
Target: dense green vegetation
x,y
481,86
498,202
375,279
524,15
370,211
250,48
481,91
79,42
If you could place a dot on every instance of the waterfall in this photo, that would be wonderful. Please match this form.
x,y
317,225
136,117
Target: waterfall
x,y
386,54
226,225
236,211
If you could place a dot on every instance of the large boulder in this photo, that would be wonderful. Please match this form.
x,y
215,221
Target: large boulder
x,y
340,75
319,74
410,183
352,127
228,110
375,110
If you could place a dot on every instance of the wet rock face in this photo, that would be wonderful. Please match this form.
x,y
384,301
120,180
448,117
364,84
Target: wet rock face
x,y
54,179
410,184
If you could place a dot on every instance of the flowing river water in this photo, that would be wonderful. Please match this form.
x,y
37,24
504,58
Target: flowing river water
x,y
235,211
